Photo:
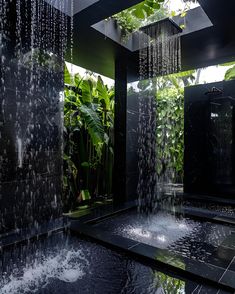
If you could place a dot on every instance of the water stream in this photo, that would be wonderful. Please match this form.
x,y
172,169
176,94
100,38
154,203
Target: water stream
x,y
160,54
34,38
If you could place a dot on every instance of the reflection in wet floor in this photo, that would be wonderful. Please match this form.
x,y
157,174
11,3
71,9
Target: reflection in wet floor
x,y
62,264
184,236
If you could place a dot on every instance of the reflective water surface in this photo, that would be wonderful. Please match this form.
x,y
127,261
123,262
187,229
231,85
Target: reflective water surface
x,y
62,264
187,237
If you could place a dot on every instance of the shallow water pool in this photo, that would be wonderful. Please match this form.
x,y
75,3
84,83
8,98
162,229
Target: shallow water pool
x,y
65,264
185,236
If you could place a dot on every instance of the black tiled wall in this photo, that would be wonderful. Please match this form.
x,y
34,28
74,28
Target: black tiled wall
x,y
31,130
209,156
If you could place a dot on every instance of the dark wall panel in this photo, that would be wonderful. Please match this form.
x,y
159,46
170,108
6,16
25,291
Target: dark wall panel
x,y
30,130
210,139
119,173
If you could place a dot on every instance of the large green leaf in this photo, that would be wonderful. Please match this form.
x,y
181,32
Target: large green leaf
x,y
103,93
101,89
146,8
88,135
68,79
230,74
94,125
77,80
139,11
142,10
87,90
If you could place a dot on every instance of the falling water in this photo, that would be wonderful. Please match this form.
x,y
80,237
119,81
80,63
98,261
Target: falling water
x,y
160,54
20,154
33,43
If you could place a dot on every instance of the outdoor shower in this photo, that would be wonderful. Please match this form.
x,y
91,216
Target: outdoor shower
x,y
160,54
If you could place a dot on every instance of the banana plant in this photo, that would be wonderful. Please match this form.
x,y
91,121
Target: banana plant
x,y
88,138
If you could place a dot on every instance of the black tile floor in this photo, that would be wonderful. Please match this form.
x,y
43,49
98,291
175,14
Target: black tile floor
x,y
157,258
97,270
219,209
203,241
203,249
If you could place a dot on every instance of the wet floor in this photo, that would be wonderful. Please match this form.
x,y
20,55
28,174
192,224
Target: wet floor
x,y
65,264
227,210
202,241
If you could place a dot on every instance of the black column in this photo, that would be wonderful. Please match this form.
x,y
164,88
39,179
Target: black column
x,y
119,174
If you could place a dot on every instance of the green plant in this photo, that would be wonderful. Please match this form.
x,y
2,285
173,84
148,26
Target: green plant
x,y
148,11
88,139
169,284
133,18
170,123
230,74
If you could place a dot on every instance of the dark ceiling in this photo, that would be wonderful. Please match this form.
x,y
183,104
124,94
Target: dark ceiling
x,y
209,46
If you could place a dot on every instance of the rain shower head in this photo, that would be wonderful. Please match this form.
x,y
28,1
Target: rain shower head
x,y
166,24
160,44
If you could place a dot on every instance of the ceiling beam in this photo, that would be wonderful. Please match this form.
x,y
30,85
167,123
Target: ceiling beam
x,y
101,10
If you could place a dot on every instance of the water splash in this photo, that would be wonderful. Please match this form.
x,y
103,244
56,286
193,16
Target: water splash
x,y
159,230
160,54
67,266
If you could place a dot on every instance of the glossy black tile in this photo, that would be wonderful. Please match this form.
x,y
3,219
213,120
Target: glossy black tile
x,y
228,278
200,289
34,164
185,236
27,202
159,258
200,269
209,119
105,237
105,270
232,265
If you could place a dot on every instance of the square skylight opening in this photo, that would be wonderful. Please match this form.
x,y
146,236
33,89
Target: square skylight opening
x,y
187,14
168,9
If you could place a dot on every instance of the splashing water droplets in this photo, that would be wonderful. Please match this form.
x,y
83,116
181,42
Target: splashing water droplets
x,y
160,54
67,266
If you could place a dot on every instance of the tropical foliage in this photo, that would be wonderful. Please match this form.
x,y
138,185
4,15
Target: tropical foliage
x,y
134,17
230,74
170,124
148,11
88,139
170,119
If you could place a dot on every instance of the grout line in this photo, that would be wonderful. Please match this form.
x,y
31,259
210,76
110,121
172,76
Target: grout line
x,y
200,290
227,269
133,246
196,289
233,259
